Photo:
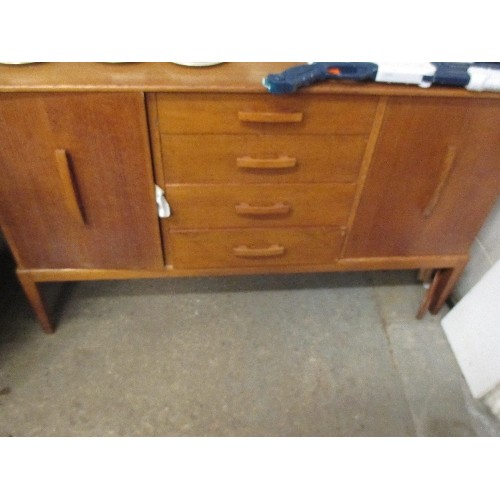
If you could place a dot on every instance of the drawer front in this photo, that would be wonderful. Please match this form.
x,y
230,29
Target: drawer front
x,y
253,247
218,206
262,158
260,113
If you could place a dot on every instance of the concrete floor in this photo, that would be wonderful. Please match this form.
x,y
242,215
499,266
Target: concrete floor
x,y
300,355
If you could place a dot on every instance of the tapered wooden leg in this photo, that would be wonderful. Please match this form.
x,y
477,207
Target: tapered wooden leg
x,y
446,283
425,275
442,285
426,302
32,291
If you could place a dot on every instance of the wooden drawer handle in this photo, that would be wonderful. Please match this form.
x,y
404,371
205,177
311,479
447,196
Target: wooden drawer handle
x,y
270,251
449,160
257,163
70,191
265,117
276,209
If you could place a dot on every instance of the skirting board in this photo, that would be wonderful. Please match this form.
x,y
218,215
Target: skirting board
x,y
473,331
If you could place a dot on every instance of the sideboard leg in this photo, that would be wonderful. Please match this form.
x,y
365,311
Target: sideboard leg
x,y
426,302
446,283
32,291
425,275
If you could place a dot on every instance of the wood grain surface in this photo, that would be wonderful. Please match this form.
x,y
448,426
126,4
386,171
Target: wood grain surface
x,y
99,144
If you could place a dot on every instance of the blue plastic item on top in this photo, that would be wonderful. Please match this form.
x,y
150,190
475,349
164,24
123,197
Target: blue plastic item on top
x,y
300,76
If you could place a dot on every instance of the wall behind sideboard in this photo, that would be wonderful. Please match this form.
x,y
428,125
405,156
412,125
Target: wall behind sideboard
x,y
484,253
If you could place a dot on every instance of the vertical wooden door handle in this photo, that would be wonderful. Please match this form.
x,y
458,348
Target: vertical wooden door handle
x,y
449,160
70,191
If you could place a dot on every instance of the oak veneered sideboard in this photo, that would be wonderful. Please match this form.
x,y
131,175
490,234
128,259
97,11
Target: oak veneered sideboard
x,y
336,177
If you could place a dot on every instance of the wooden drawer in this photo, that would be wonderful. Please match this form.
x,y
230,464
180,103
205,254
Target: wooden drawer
x,y
260,113
262,158
212,206
253,247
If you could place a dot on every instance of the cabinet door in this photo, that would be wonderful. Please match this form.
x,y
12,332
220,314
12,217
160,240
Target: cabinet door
x,y
76,185
434,177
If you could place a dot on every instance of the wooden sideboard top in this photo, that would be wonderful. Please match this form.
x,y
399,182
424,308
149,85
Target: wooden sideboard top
x,y
170,77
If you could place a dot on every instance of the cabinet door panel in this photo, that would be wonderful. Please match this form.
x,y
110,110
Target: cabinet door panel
x,y
434,177
76,186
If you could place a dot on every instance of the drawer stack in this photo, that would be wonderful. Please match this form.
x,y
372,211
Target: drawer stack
x,y
258,180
